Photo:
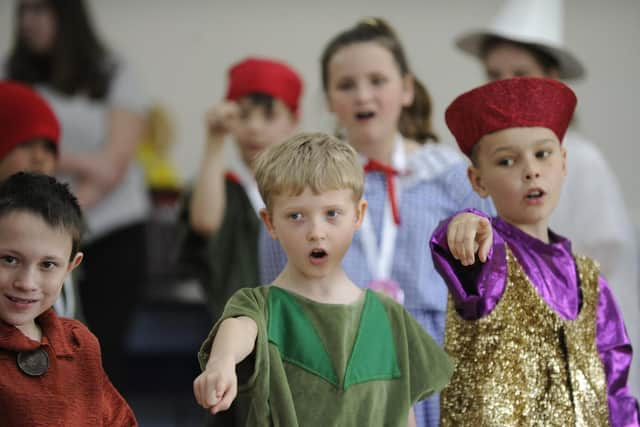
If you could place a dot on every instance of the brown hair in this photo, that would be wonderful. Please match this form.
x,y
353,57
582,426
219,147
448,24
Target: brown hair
x,y
308,160
546,61
78,62
415,120
45,197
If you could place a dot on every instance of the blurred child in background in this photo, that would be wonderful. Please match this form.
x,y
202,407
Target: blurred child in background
x,y
261,109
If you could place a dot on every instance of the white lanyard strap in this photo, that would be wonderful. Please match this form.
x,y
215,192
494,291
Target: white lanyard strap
x,y
380,262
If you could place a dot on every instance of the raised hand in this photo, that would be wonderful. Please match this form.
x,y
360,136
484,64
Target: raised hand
x,y
221,119
468,234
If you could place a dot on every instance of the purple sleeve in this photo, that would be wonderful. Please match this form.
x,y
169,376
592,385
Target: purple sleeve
x,y
475,289
615,353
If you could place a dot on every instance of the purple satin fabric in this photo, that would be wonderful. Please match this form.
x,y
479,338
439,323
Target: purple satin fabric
x,y
551,269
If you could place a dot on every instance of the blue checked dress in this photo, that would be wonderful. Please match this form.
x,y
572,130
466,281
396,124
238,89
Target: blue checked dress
x,y
435,187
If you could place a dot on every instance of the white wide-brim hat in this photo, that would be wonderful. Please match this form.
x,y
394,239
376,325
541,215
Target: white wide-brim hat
x,y
538,23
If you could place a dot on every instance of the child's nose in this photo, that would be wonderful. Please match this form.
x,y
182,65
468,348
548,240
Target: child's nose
x,y
363,92
531,174
531,170
316,231
25,280
255,123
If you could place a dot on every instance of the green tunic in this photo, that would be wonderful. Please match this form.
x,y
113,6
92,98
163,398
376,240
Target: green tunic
x,y
226,260
320,364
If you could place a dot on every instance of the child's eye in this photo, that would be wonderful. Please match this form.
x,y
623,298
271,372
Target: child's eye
x,y
296,216
8,259
48,265
378,80
345,85
332,213
505,162
543,154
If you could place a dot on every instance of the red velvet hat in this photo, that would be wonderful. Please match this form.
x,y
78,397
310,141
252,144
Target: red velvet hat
x,y
259,75
24,115
509,103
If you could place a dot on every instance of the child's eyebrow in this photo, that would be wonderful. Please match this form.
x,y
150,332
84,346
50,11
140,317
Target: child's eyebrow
x,y
543,141
52,258
8,249
509,147
501,149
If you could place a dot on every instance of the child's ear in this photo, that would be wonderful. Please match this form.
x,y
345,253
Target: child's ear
x,y
408,90
475,178
77,259
266,219
361,209
563,151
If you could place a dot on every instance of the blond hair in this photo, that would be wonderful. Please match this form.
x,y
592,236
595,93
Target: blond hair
x,y
308,160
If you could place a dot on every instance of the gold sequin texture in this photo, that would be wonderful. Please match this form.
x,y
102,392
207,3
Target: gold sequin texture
x,y
524,365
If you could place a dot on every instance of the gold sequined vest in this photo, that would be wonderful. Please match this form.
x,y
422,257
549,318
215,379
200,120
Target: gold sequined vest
x,y
524,365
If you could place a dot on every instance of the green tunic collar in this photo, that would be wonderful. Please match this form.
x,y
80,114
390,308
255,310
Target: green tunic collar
x,y
373,356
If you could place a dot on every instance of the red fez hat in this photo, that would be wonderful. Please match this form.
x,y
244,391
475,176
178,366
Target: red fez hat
x,y
258,75
509,103
24,115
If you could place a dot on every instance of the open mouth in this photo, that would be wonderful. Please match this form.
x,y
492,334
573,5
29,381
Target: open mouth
x,y
365,115
318,254
535,194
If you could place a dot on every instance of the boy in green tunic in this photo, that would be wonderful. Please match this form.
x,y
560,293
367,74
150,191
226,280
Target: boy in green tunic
x,y
313,349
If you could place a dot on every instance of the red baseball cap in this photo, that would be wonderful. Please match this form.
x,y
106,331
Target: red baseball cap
x,y
24,115
260,75
509,103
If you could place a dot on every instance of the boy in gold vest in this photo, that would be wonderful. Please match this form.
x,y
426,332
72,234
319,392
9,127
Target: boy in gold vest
x,y
535,329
